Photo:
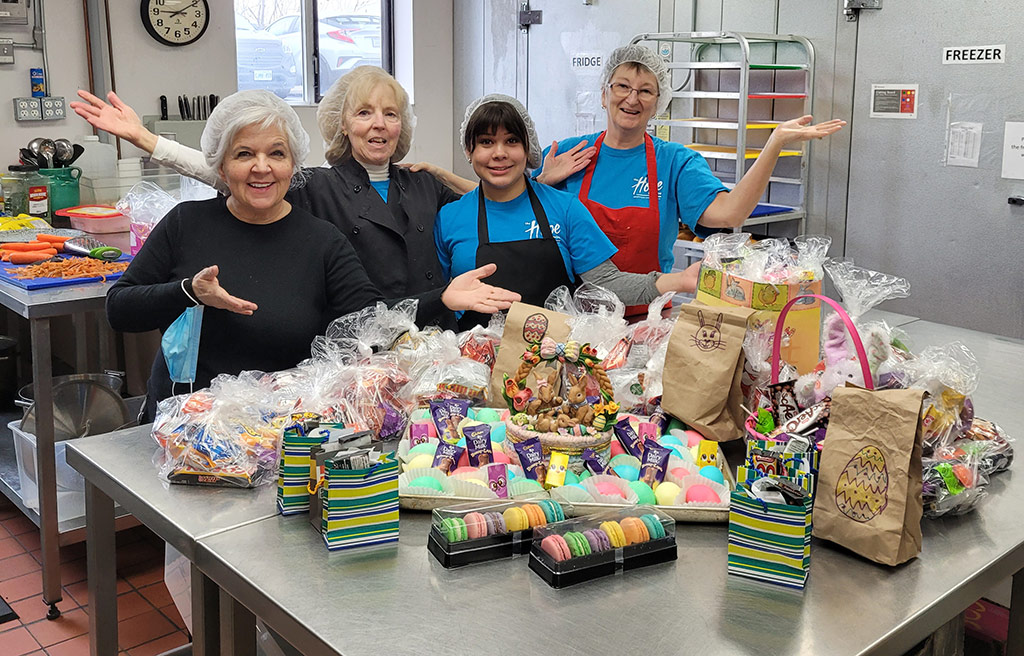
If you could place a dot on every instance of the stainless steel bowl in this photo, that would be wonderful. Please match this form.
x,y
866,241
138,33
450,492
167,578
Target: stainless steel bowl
x,y
109,379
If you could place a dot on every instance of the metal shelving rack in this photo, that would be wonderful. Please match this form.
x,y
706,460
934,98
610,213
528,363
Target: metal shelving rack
x,y
742,43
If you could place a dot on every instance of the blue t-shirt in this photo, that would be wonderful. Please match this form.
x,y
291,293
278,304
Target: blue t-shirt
x,y
686,185
382,188
581,242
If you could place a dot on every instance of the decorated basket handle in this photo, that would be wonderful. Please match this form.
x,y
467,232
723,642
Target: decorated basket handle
x,y
862,356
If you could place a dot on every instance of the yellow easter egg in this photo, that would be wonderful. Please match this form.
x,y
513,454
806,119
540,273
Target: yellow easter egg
x,y
862,491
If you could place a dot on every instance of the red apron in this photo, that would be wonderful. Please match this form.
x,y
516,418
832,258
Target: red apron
x,y
634,230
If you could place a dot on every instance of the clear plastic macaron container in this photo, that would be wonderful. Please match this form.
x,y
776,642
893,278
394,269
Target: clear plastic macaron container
x,y
488,530
584,548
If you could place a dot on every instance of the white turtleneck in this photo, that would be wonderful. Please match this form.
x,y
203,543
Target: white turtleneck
x,y
377,173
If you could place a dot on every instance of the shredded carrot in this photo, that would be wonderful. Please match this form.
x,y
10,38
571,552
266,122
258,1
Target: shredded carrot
x,y
69,268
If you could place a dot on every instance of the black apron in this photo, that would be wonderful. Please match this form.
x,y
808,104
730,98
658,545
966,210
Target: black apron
x,y
530,267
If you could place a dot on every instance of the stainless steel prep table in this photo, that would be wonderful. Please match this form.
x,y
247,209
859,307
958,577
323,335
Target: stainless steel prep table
x,y
119,466
39,307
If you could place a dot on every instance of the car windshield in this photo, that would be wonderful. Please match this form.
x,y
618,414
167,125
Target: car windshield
x,y
242,24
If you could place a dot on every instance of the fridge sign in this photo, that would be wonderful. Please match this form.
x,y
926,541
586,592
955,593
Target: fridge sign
x,y
586,61
975,55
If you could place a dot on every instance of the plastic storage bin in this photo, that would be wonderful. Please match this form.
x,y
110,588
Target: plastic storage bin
x,y
70,484
585,548
95,219
107,191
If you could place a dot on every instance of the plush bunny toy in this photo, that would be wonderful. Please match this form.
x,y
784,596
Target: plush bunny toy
x,y
840,363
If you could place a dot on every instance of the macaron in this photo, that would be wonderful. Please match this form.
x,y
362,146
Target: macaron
x,y
712,473
552,510
570,477
598,540
556,547
423,460
515,519
454,529
699,493
627,472
463,470
635,530
654,527
609,489
578,545
614,533
534,514
487,415
495,523
429,448
679,472
666,493
644,493
427,481
476,525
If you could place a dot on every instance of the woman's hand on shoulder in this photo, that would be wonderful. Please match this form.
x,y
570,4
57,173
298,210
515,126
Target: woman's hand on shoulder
x,y
559,167
207,289
800,129
117,118
469,292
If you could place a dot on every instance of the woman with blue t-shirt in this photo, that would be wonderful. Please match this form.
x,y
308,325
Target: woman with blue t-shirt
x,y
539,237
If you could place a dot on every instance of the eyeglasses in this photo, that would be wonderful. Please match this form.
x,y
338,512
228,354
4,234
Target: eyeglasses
x,y
620,90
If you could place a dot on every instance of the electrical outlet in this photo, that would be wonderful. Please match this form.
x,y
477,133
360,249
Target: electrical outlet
x,y
27,109
6,51
53,108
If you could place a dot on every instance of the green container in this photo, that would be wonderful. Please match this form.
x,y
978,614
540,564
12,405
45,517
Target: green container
x,y
64,190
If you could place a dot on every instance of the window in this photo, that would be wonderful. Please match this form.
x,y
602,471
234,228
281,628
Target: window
x,y
273,37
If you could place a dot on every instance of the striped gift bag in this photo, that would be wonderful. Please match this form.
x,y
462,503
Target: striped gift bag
x,y
360,506
769,541
294,470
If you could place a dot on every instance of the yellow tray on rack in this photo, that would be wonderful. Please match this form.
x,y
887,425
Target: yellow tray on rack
x,y
751,153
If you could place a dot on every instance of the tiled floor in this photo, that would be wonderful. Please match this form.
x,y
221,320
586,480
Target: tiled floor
x,y
148,622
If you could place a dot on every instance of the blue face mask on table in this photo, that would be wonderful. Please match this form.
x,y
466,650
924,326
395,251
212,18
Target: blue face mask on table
x,y
180,344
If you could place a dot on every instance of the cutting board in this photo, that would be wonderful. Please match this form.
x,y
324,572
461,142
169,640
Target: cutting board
x,y
43,283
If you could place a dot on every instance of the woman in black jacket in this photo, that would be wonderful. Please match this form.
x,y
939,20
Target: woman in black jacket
x,y
387,212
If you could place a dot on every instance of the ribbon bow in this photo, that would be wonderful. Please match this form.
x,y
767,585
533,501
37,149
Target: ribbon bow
x,y
564,352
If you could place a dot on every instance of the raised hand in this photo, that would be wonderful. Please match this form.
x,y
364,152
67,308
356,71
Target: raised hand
x,y
559,167
209,292
800,129
117,118
469,292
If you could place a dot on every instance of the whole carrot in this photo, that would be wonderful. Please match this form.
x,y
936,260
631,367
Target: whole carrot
x,y
25,246
30,257
53,239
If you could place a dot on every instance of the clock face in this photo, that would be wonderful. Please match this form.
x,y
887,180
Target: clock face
x,y
175,22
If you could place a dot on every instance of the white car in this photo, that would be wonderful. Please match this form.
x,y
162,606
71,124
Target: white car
x,y
345,41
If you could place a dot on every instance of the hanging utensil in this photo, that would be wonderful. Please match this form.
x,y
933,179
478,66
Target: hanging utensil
x,y
28,157
48,149
64,152
90,247
35,143
77,149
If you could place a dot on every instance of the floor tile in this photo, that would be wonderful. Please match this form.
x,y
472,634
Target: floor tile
x,y
22,587
4,533
32,609
73,572
144,574
70,624
30,540
138,552
17,642
75,647
160,645
10,547
142,629
19,524
131,604
171,612
157,594
15,566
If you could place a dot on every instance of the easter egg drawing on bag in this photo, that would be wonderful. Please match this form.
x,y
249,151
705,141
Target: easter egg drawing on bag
x,y
862,491
534,328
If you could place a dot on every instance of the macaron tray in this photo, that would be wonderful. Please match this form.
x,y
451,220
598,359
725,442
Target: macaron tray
x,y
488,530
585,548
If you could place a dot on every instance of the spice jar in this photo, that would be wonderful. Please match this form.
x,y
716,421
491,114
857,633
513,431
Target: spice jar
x,y
26,191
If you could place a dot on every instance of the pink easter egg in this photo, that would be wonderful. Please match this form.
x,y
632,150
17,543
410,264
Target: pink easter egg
x,y
609,489
693,438
679,472
464,459
617,449
505,414
463,470
701,494
499,456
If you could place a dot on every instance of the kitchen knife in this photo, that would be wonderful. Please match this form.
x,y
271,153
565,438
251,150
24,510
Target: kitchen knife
x,y
163,108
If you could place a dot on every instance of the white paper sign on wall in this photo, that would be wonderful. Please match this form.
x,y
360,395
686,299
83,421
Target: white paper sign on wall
x,y
1013,150
975,54
586,61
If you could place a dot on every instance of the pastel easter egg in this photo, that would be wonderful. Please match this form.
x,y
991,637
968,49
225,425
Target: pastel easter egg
x,y
862,491
422,461
497,455
463,470
669,440
712,473
693,438
610,489
644,493
488,416
429,448
498,432
463,459
585,474
616,449
426,481
679,472
421,414
477,481
627,472
666,493
571,478
701,494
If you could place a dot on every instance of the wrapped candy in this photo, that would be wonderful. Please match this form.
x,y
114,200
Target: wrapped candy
x,y
949,374
767,260
437,369
361,333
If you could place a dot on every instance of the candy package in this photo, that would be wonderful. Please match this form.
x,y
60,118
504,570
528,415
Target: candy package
x,y
374,397
438,369
364,332
595,315
768,260
949,374
480,344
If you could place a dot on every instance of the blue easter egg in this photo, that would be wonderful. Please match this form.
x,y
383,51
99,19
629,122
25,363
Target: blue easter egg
x,y
627,472
667,440
677,449
511,474
579,486
712,473
498,432
471,413
461,442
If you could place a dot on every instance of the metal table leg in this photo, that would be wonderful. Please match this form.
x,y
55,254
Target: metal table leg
x,y
205,615
101,558
237,628
1015,636
42,377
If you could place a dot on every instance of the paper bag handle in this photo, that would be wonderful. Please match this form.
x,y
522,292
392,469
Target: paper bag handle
x,y
862,356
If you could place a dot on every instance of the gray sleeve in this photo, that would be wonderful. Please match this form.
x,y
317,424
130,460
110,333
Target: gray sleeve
x,y
631,288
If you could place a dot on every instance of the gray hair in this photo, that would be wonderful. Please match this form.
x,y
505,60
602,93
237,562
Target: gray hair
x,y
255,107
647,60
351,89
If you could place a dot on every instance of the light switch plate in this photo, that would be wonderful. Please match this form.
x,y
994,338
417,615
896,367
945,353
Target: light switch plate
x,y
27,109
6,51
52,108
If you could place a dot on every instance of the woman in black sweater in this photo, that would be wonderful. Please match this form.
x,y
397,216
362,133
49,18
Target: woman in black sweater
x,y
289,273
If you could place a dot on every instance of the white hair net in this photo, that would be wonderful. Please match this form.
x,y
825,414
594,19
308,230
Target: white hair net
x,y
533,161
352,88
648,59
255,107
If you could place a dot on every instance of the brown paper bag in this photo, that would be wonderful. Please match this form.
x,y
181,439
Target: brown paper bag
x,y
525,325
869,485
703,368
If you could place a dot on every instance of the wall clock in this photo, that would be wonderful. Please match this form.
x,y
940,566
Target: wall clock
x,y
175,22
